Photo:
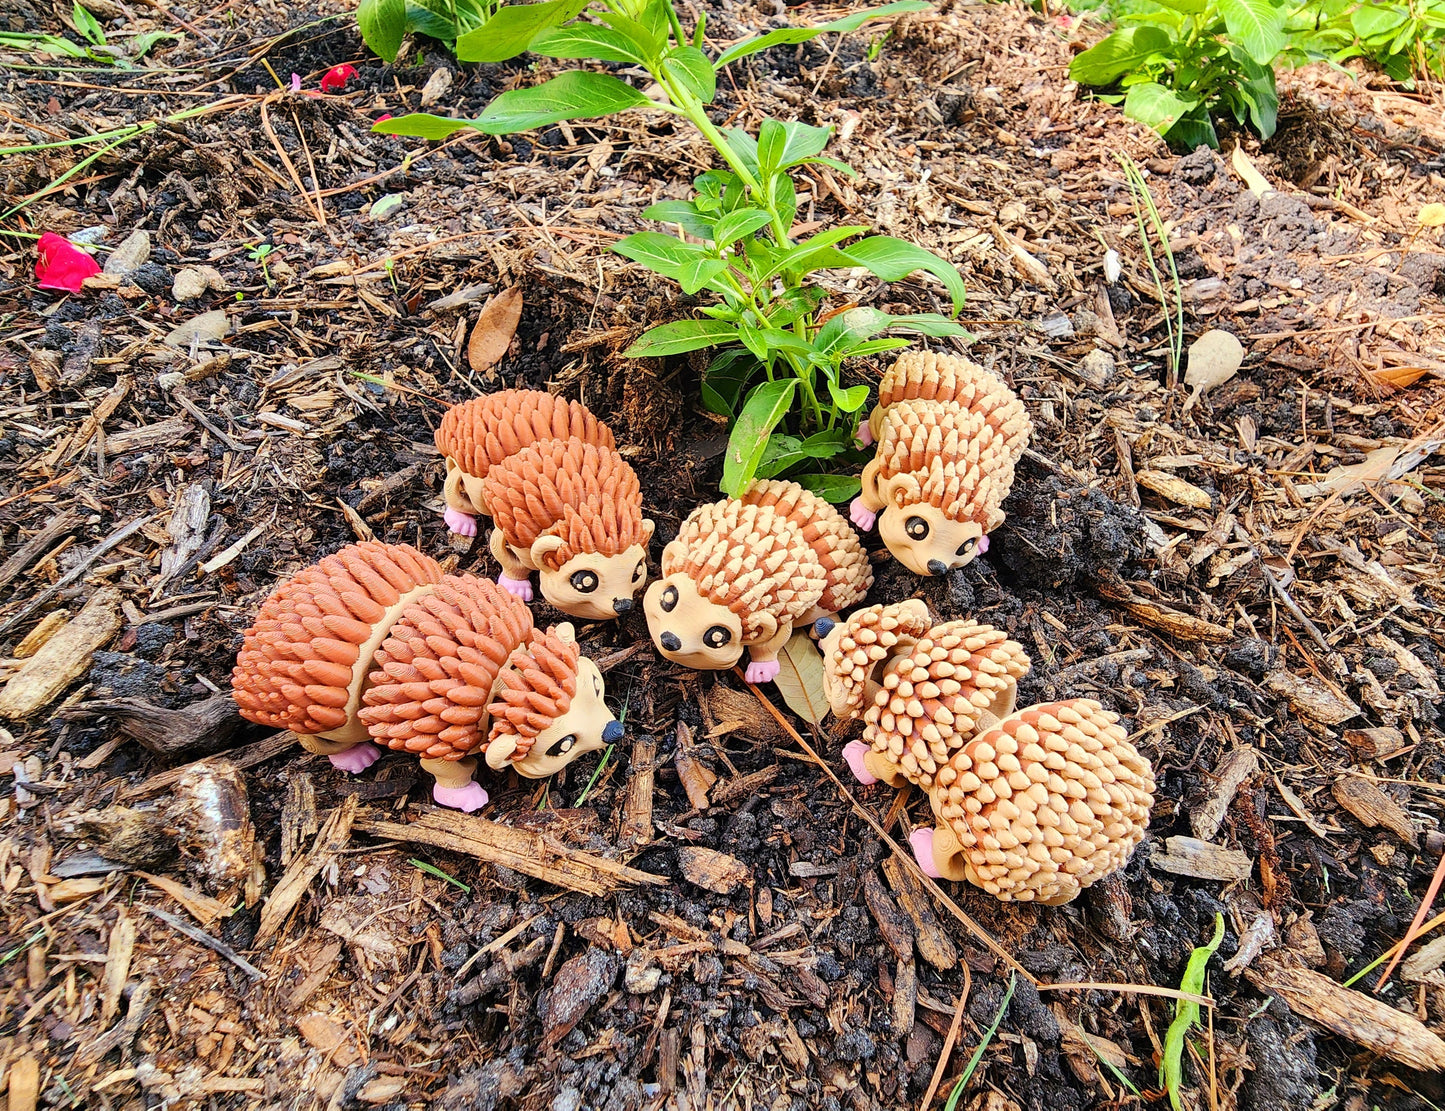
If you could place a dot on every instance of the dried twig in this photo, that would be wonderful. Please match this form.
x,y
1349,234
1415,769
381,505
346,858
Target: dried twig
x,y
202,938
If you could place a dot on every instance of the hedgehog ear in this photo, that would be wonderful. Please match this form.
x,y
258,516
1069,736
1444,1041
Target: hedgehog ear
x,y
870,492
564,632
499,752
648,528
544,550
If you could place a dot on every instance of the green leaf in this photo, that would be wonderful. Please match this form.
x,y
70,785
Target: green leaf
x,y
794,305
699,272
736,224
1194,130
146,41
894,259
789,35
422,125
849,328
575,95
849,400
931,324
1120,53
1257,25
765,407
382,24
835,488
743,145
511,30
1186,1014
88,26
1371,20
724,379
815,253
788,451
588,40
683,213
877,346
662,254
781,145
1155,106
423,20
753,339
689,67
779,340
681,336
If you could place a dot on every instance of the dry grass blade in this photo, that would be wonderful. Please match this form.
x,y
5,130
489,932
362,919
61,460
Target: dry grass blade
x,y
1414,930
949,1042
494,329
907,857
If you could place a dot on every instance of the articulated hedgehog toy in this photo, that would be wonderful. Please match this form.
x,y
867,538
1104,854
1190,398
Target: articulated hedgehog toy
x,y
375,644
948,434
1031,804
564,502
744,572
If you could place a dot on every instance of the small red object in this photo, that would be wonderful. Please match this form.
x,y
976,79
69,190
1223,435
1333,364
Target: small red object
x,y
59,264
383,119
335,78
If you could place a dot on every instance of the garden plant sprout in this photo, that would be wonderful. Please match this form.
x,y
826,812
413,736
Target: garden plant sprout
x,y
778,373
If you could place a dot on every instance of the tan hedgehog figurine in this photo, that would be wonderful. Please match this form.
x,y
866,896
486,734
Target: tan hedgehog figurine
x,y
374,646
564,502
948,434
744,572
1050,800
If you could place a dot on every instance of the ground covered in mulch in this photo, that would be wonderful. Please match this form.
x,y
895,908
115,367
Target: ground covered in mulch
x,y
1267,621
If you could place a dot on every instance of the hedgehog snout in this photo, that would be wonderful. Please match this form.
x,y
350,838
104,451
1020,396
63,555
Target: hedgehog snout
x,y
621,606
670,642
937,567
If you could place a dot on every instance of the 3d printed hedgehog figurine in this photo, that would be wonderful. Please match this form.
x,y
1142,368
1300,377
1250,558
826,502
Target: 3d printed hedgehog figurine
x,y
744,572
564,502
375,644
948,435
923,690
1050,800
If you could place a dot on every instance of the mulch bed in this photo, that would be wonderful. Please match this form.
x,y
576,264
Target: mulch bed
x,y
706,917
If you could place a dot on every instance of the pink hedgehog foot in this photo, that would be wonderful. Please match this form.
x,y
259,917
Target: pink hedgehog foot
x,y
865,435
357,758
853,753
861,515
763,671
467,799
922,842
459,522
522,588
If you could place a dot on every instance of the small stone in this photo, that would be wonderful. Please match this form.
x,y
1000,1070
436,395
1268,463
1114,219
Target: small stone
x,y
133,253
1097,367
196,281
642,975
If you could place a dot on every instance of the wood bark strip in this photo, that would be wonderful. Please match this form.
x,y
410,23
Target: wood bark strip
x,y
521,850
637,807
934,944
63,658
334,836
36,546
1188,856
1352,1014
1373,807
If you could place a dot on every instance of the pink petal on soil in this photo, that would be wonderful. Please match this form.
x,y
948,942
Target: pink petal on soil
x,y
382,119
336,77
59,264
295,82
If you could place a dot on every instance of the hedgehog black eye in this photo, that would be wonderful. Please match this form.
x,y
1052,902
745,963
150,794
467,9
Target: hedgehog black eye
x,y
669,599
566,743
641,570
584,582
916,527
717,636
967,545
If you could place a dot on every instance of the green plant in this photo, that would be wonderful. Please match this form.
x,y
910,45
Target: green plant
x,y
781,346
1181,63
259,253
972,1066
1144,203
89,28
384,23
1186,1014
1403,39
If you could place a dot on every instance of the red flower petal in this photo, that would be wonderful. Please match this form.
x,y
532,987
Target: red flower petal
x,y
336,77
382,119
59,264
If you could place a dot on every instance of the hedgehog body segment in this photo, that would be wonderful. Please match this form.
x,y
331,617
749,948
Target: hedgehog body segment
x,y
948,435
374,644
1050,800
572,511
744,572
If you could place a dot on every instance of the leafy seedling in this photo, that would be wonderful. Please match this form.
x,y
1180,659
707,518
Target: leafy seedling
x,y
1186,1015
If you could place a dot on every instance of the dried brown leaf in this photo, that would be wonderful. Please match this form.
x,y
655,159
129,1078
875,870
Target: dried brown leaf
x,y
800,681
494,329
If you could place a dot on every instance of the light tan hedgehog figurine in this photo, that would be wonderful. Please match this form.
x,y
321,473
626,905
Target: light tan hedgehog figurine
x,y
922,690
948,434
745,572
573,512
1050,800
375,644
564,502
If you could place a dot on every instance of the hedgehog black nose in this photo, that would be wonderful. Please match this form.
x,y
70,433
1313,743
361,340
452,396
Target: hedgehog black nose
x,y
621,606
937,567
823,626
670,643
612,732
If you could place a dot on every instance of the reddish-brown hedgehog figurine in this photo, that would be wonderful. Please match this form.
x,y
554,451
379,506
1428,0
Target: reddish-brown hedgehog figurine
x,y
949,434
745,572
375,644
564,502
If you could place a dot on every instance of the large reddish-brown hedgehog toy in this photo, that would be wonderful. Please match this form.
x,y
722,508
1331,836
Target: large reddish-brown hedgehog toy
x,y
949,434
375,646
744,572
1050,800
